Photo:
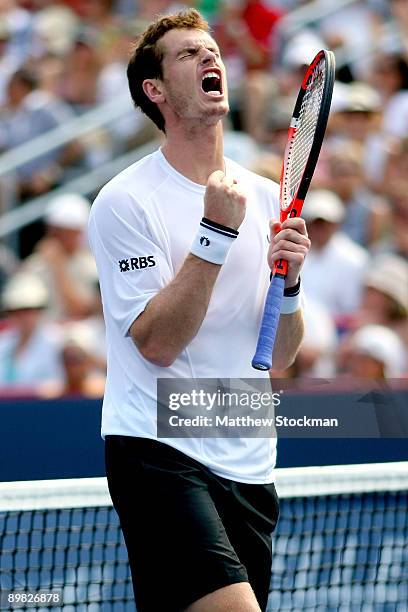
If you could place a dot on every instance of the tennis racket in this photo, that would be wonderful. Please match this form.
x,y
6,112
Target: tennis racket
x,y
305,137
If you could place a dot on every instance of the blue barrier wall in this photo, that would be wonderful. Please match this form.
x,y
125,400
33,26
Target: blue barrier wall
x,y
61,439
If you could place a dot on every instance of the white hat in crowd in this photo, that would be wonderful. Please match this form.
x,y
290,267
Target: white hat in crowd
x,y
389,274
382,344
301,49
24,290
323,204
79,334
69,211
355,97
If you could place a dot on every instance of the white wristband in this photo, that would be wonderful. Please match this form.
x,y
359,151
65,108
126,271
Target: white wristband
x,y
292,303
213,241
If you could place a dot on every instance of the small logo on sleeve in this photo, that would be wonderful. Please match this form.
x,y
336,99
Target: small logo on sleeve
x,y
204,241
136,263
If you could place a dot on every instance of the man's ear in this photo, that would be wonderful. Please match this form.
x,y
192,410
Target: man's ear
x,y
153,90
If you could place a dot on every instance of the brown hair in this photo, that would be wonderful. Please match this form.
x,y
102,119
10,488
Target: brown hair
x,y
147,57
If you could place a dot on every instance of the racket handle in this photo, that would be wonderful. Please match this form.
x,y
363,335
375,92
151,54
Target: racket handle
x,y
263,355
281,267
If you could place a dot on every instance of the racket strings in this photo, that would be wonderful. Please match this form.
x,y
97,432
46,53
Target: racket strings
x,y
303,137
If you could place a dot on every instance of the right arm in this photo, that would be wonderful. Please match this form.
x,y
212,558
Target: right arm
x,y
174,315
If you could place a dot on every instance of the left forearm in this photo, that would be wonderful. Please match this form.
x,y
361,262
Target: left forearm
x,y
288,339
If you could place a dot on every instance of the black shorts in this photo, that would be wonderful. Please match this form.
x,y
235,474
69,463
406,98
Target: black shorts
x,y
188,532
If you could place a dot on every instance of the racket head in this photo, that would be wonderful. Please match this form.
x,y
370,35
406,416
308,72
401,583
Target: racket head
x,y
306,133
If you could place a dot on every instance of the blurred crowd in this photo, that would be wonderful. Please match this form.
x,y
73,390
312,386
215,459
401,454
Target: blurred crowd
x,y
60,60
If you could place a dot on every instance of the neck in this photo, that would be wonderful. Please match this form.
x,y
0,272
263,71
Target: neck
x,y
195,152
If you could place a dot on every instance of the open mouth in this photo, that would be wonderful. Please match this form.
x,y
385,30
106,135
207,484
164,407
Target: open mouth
x,y
211,84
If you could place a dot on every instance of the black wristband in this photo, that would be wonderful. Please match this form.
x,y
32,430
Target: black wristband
x,y
292,291
217,227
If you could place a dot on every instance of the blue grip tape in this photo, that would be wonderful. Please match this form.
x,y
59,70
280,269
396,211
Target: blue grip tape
x,y
263,355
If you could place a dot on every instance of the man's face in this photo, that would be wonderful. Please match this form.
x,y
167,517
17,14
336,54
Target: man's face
x,y
194,81
360,365
69,238
16,91
25,319
320,232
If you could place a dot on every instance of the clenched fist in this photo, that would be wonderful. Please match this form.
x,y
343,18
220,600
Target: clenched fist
x,y
224,202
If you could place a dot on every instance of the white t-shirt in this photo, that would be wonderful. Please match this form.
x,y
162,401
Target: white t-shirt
x,y
334,275
153,212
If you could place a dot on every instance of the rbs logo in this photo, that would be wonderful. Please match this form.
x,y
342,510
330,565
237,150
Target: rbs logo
x,y
136,263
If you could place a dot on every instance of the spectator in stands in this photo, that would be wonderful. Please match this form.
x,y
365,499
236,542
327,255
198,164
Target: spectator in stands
x,y
19,23
395,240
368,216
250,26
63,261
334,268
390,78
245,32
385,295
274,124
81,73
352,29
91,331
98,14
389,75
133,129
398,239
395,180
357,110
316,354
375,352
399,10
31,112
297,54
29,346
54,26
81,377
50,71
8,63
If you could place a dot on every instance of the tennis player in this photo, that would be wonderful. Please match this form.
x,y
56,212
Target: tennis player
x,y
181,240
